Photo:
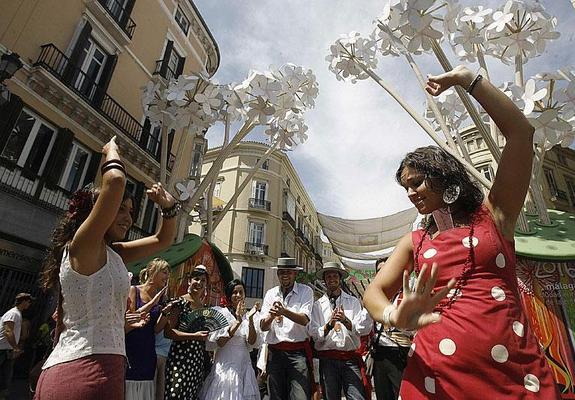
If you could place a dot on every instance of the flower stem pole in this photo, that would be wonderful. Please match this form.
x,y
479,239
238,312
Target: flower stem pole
x,y
433,105
473,113
243,185
535,191
492,127
215,168
164,155
425,125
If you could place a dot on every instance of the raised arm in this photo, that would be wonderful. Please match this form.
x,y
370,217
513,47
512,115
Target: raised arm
x,y
87,250
162,239
507,194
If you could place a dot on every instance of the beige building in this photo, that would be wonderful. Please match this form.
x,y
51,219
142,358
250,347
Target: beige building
x,y
558,170
273,217
85,62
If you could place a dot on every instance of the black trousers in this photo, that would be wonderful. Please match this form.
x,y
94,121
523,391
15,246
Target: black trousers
x,y
388,365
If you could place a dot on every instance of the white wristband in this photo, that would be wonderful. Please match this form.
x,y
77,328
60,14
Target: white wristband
x,y
387,314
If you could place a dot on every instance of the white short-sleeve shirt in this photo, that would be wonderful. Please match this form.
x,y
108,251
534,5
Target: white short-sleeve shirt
x,y
12,315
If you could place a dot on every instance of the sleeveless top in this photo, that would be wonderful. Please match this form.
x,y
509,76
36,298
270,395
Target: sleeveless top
x,y
141,346
483,347
94,308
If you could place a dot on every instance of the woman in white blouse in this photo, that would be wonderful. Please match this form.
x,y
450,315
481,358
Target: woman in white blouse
x,y
232,376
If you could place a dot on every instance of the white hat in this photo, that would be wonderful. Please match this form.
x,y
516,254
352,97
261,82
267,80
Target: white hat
x,y
332,266
287,263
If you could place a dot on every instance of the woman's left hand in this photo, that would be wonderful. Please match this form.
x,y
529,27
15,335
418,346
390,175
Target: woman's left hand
x,y
460,75
160,196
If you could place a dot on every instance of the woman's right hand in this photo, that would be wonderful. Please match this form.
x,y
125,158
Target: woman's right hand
x,y
416,308
111,146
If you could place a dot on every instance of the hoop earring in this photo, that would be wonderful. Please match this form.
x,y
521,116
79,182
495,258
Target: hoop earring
x,y
451,194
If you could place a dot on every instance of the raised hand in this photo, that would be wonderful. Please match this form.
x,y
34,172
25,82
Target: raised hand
x,y
111,146
240,309
160,196
460,75
136,319
416,308
254,310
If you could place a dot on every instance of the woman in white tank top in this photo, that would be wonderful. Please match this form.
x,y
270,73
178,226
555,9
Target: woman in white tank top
x,y
86,264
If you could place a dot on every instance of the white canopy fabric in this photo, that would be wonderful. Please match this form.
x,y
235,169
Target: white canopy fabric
x,y
355,238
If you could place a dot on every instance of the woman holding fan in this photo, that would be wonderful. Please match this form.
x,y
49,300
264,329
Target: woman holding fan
x,y
232,376
186,359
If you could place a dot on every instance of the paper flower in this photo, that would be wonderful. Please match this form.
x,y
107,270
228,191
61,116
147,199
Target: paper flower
x,y
476,15
347,53
531,95
186,190
208,99
549,128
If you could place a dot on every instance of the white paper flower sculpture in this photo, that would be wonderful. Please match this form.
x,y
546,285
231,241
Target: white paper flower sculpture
x,y
521,29
452,110
186,189
346,52
531,95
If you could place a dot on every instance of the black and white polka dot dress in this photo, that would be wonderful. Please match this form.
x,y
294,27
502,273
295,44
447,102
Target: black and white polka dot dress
x,y
185,367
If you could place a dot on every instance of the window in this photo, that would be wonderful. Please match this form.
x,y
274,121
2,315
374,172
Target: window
x,y
256,233
571,189
117,8
265,164
153,145
172,63
218,188
182,20
150,217
254,280
131,187
91,63
479,143
76,167
30,142
197,155
551,181
260,189
487,171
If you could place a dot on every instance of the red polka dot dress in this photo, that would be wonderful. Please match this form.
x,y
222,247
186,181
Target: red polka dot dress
x,y
483,347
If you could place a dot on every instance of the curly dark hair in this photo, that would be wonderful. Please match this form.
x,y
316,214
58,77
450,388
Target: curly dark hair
x,y
230,288
80,206
441,170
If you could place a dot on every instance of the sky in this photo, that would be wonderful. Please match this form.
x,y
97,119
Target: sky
x,y
357,133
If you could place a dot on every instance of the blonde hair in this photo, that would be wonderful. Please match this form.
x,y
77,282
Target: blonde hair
x,y
153,267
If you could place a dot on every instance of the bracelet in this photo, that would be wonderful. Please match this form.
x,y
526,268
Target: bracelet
x,y
171,212
387,314
474,82
110,167
113,161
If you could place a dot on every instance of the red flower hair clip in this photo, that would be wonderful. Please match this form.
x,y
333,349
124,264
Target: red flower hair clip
x,y
81,202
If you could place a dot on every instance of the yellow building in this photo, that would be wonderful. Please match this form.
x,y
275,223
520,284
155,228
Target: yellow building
x,y
273,217
558,175
85,62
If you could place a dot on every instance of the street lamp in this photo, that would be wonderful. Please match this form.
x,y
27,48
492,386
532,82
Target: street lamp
x,y
9,64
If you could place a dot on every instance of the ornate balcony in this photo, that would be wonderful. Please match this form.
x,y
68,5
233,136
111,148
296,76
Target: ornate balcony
x,y
256,249
289,219
260,204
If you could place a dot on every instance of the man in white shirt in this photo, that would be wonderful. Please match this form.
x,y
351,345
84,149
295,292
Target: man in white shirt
x,y
337,323
286,309
10,328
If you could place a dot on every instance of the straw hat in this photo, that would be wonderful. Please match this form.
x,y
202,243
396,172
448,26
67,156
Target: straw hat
x,y
287,263
332,266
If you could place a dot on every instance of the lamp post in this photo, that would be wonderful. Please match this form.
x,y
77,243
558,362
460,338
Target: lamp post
x,y
9,64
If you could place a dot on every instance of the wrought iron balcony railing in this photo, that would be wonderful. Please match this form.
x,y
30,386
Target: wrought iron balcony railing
x,y
59,65
120,15
260,204
256,249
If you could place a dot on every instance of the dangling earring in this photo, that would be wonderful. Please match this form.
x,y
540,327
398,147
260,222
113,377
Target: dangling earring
x,y
451,194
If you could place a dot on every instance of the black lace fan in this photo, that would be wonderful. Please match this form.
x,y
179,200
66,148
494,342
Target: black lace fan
x,y
203,319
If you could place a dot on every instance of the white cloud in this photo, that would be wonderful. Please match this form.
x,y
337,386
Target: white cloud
x,y
358,134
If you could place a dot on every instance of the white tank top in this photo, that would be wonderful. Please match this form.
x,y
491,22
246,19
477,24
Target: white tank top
x,y
94,308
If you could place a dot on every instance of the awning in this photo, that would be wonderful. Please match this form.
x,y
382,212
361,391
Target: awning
x,y
180,252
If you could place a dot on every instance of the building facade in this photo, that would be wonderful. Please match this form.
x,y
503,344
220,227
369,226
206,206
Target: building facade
x,y
558,173
272,217
85,62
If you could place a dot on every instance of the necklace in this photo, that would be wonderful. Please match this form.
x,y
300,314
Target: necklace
x,y
466,271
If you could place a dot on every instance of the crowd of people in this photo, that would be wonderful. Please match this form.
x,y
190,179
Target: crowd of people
x,y
442,317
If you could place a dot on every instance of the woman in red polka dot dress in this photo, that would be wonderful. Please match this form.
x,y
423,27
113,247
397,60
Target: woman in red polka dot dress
x,y
473,340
